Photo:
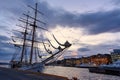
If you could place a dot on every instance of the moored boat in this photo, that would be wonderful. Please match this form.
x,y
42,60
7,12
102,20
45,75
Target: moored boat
x,y
29,54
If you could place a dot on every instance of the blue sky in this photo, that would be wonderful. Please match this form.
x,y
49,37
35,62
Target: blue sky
x,y
92,26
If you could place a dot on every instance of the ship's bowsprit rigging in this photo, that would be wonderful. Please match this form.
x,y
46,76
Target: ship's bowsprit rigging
x,y
31,50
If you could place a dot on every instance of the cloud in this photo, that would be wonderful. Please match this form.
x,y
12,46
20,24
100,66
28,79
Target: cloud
x,y
106,38
116,2
3,38
83,49
6,49
94,22
95,49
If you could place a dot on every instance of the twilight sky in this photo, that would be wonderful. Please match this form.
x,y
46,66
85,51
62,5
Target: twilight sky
x,y
92,26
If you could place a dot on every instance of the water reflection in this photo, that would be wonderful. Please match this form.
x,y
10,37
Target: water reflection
x,y
81,73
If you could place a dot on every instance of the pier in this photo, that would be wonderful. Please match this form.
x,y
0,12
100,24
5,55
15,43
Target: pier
x,y
12,74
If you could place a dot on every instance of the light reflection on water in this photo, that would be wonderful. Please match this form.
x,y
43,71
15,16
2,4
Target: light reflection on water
x,y
81,73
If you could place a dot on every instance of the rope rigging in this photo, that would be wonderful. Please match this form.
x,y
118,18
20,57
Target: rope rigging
x,y
32,38
52,45
50,52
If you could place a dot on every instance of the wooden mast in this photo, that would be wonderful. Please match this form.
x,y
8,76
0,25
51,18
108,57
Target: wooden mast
x,y
33,34
24,41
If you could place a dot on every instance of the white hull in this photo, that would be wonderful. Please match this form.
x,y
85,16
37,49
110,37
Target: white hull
x,y
36,67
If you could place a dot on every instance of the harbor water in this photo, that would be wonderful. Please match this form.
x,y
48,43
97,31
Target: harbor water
x,y
80,73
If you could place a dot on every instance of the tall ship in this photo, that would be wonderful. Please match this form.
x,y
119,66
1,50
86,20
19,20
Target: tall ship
x,y
33,49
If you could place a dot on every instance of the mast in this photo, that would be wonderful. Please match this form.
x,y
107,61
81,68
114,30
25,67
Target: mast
x,y
34,25
33,34
24,41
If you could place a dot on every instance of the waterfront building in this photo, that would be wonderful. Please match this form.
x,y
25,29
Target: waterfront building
x,y
100,59
115,55
72,61
85,59
94,60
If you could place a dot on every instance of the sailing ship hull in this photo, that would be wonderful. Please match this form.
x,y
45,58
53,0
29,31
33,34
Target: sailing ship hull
x,y
36,67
